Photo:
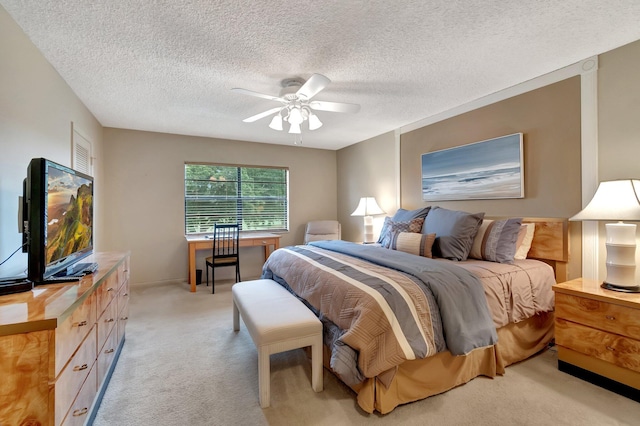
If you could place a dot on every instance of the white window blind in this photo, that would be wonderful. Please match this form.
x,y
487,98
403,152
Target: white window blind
x,y
254,197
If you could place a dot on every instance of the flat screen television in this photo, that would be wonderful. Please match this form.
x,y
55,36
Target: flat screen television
x,y
58,219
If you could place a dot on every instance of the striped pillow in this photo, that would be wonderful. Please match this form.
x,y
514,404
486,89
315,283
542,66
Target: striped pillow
x,y
414,225
414,243
496,240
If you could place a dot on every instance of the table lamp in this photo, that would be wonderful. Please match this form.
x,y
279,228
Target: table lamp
x,y
617,200
367,208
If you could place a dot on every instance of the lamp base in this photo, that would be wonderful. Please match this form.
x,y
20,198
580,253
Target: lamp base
x,y
614,287
621,255
368,230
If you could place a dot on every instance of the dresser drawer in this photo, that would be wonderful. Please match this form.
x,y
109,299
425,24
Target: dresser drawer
x,y
79,411
107,322
123,271
613,348
123,318
74,375
107,292
106,355
123,295
602,315
72,332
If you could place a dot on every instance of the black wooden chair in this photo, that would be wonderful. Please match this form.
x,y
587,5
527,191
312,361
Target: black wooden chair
x,y
225,251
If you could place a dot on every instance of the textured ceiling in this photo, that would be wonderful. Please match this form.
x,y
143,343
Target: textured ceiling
x,y
169,66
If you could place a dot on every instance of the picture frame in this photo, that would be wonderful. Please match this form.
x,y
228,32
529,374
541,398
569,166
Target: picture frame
x,y
489,169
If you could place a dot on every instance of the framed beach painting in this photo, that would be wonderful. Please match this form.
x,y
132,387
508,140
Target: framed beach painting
x,y
482,170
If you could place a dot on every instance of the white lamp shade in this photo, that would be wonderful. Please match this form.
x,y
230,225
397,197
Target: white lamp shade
x,y
614,200
295,128
367,207
314,122
617,200
276,122
295,117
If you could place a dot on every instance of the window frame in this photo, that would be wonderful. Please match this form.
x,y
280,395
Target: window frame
x,y
239,199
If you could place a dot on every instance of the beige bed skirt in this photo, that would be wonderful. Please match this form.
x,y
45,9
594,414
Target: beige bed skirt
x,y
419,379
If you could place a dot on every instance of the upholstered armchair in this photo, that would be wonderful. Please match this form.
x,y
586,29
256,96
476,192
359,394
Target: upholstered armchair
x,y
322,230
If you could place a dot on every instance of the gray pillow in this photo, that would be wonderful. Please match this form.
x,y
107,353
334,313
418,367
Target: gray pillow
x,y
454,231
403,215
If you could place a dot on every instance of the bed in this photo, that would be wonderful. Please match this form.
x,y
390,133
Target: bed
x,y
392,331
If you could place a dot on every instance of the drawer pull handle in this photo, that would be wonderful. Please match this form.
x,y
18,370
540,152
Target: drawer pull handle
x,y
609,348
110,289
610,317
81,412
124,318
109,320
80,324
80,367
108,351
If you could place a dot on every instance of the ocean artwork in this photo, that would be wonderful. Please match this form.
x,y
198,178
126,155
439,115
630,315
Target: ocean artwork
x,y
481,170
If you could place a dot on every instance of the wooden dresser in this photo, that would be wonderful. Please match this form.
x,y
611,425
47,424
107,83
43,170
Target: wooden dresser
x,y
59,344
598,335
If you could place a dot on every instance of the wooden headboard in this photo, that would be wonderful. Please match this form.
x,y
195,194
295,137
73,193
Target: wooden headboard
x,y
551,244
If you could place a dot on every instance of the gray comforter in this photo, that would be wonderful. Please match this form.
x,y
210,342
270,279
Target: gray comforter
x,y
388,306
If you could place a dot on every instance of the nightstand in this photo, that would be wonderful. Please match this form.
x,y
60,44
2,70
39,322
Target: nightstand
x,y
597,333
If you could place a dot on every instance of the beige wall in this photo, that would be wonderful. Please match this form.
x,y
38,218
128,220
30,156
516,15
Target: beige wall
x,y
549,119
144,196
618,122
366,169
619,113
36,111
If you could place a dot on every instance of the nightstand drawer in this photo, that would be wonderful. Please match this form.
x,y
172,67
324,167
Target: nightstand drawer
x,y
615,349
604,316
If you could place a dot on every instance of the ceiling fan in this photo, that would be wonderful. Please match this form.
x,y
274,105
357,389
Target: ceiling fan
x,y
297,106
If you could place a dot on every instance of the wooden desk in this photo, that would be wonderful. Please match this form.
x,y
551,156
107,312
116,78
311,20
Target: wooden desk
x,y
269,241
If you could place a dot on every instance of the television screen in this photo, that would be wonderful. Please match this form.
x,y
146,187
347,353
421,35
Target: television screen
x,y
69,214
60,218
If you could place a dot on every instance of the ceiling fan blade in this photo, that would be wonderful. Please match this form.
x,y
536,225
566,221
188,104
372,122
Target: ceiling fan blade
x,y
334,106
261,115
257,94
315,84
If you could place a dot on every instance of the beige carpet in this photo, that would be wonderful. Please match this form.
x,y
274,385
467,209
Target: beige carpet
x,y
183,365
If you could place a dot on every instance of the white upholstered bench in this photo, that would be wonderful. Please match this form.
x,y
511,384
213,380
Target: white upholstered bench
x,y
277,321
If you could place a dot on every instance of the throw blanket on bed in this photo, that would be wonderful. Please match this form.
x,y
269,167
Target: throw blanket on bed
x,y
392,306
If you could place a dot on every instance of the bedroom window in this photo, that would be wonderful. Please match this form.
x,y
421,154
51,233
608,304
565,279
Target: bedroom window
x,y
255,197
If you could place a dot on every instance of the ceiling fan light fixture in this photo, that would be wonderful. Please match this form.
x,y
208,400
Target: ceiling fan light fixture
x,y
297,105
314,122
295,128
276,122
295,116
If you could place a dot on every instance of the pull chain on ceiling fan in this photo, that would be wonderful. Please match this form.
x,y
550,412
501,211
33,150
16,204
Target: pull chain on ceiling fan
x,y
297,106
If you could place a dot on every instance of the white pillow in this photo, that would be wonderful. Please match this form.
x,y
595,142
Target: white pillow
x,y
523,247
